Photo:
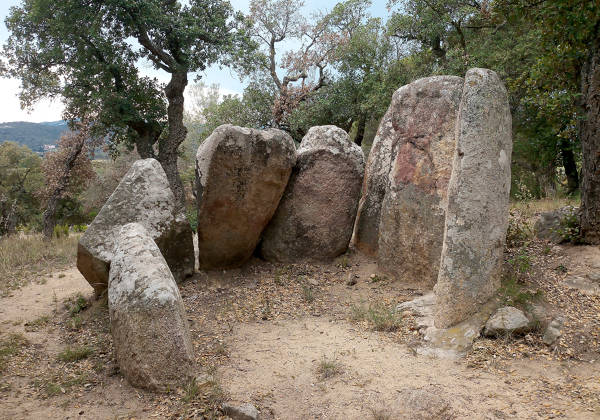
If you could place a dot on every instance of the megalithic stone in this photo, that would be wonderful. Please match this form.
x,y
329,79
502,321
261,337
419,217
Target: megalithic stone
x,y
411,227
241,174
142,196
478,200
147,317
315,217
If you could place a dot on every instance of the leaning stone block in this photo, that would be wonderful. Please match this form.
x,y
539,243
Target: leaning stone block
x,y
148,321
241,174
142,196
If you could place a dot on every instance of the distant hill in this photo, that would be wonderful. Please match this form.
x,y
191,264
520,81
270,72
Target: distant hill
x,y
32,135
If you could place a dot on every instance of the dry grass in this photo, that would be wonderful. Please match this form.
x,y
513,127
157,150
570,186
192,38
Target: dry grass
x,y
530,208
23,257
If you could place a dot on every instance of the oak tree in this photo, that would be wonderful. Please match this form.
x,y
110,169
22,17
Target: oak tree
x,y
89,52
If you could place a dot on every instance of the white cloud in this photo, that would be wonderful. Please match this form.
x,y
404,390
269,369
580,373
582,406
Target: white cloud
x,y
10,108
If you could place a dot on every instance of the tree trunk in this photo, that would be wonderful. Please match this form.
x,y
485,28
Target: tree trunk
x,y
360,130
568,161
49,215
590,144
50,212
167,149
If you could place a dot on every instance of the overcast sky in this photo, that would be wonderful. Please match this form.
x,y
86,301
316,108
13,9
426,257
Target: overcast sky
x,y
10,109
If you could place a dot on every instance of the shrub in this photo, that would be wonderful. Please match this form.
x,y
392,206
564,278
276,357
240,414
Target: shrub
x,y
61,231
570,227
519,231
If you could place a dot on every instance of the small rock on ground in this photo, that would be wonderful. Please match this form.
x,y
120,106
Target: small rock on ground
x,y
507,320
242,412
553,331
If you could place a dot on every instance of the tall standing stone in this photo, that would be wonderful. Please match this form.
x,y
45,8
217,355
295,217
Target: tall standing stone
x,y
375,181
148,321
411,227
316,215
142,196
241,174
477,214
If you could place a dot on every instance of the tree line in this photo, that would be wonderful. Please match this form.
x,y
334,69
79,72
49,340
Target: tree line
x,y
337,67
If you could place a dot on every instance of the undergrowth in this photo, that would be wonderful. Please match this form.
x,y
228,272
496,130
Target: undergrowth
x,y
23,257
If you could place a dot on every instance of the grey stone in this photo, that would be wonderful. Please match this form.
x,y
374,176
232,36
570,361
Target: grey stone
x,y
505,321
444,343
241,412
241,174
553,331
411,226
147,317
549,224
478,199
316,214
142,196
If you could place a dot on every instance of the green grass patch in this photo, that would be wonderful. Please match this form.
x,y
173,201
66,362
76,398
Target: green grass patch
x,y
73,354
328,368
378,315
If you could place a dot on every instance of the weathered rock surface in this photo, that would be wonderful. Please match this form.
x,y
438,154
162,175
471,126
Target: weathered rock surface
x,y
242,412
315,217
142,196
444,343
411,227
548,226
366,227
478,193
147,317
507,320
241,176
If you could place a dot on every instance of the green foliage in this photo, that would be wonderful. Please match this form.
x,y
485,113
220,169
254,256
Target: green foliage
x,y
570,227
76,304
521,262
21,180
84,54
513,293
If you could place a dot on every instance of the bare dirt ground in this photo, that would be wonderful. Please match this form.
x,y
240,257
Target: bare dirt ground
x,y
299,343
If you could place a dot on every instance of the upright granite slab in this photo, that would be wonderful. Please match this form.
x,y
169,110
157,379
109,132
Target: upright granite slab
x,y
148,321
375,181
411,226
478,193
241,174
316,215
142,196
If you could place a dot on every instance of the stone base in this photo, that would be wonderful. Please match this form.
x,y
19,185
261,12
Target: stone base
x,y
445,343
